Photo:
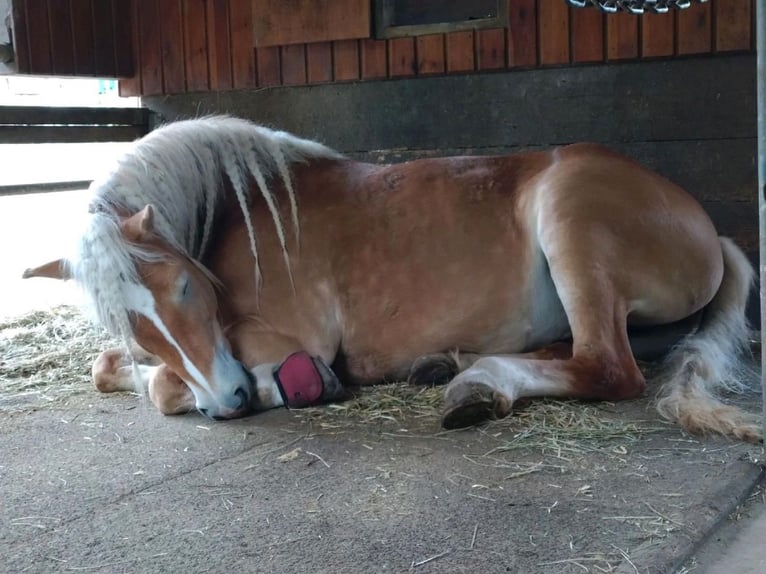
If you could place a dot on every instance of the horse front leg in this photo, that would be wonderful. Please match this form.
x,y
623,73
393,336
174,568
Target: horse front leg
x,y
284,373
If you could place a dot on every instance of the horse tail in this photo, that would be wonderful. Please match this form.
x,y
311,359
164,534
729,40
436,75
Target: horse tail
x,y
714,360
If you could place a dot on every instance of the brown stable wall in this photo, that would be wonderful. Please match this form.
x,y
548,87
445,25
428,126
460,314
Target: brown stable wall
x,y
179,46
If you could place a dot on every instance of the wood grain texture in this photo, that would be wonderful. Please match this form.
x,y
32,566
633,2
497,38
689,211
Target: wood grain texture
x,y
279,23
62,42
171,40
82,36
293,61
195,45
733,25
150,47
430,53
319,62
522,33
490,49
218,44
242,53
621,36
269,66
374,59
658,35
460,51
124,27
103,37
553,28
401,57
694,29
587,35
38,37
345,55
130,85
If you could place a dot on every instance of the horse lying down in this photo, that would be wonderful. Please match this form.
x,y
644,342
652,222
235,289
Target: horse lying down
x,y
247,261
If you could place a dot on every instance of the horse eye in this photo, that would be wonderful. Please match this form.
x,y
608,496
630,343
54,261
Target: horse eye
x,y
185,288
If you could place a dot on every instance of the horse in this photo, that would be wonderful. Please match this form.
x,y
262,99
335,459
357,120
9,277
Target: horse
x,y
221,251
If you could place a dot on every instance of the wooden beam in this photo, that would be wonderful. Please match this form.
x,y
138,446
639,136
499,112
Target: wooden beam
x,y
69,134
28,115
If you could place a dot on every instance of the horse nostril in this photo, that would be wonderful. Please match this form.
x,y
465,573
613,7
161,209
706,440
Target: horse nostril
x,y
241,393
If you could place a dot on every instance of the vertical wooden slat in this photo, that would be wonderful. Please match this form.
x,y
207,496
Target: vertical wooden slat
x,y
172,46
657,35
150,47
20,39
733,24
319,62
621,36
242,53
553,26
460,51
82,36
430,51
401,57
130,85
694,29
294,64
587,35
103,37
490,49
62,43
195,45
123,26
522,33
374,63
39,43
345,55
218,44
269,67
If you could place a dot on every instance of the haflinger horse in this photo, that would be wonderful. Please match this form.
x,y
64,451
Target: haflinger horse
x,y
227,250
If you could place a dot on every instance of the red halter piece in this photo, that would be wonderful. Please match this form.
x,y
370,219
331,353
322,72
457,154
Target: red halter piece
x,y
299,381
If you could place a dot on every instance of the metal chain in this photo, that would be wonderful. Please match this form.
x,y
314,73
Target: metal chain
x,y
634,6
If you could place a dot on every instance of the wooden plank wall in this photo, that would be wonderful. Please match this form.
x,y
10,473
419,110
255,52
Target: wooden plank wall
x,y
74,37
207,45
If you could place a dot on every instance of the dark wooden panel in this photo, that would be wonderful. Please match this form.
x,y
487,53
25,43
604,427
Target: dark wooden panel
x,y
39,38
130,85
319,62
269,67
694,29
218,44
150,47
174,81
62,43
20,39
430,51
587,35
103,37
401,57
553,25
82,36
345,60
195,45
733,25
490,52
657,34
621,36
242,53
460,50
67,134
374,62
294,64
124,34
522,33
278,23
10,115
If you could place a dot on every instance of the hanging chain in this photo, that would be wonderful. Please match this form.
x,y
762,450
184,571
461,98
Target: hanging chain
x,y
634,6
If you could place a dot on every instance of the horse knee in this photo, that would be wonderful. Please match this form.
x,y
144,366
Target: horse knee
x,y
170,394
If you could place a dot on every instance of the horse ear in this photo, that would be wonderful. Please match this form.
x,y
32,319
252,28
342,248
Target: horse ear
x,y
57,269
139,225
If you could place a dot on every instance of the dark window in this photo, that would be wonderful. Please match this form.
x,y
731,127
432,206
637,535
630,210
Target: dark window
x,y
395,18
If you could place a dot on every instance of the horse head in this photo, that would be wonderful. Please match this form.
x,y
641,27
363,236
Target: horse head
x,y
172,312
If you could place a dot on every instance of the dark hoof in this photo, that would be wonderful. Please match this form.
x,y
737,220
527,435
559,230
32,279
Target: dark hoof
x,y
433,370
469,404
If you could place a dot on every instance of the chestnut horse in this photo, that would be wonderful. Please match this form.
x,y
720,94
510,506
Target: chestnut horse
x,y
221,247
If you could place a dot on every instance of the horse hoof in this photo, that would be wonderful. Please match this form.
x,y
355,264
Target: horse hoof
x,y
433,370
469,404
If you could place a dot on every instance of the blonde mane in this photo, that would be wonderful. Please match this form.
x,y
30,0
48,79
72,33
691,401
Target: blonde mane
x,y
181,170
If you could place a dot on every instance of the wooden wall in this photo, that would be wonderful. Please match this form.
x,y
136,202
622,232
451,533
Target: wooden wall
x,y
203,45
74,37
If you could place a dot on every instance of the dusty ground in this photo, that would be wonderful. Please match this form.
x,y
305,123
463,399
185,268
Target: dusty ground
x,y
100,483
